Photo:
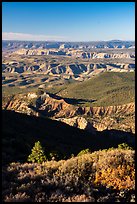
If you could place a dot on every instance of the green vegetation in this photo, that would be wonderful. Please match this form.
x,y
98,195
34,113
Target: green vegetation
x,y
124,146
105,89
85,151
53,88
37,154
16,90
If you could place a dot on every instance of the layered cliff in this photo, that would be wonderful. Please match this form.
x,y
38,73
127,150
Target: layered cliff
x,y
74,53
118,117
70,69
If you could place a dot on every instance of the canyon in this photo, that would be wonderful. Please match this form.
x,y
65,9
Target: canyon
x,y
54,67
74,100
88,118
57,67
74,53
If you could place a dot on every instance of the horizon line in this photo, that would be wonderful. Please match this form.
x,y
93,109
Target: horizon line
x,y
67,40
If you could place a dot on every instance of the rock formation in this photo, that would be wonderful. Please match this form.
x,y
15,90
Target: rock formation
x,y
101,118
74,53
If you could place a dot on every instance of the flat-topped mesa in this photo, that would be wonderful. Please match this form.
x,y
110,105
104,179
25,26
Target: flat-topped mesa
x,y
111,44
74,53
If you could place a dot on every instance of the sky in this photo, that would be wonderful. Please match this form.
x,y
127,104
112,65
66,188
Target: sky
x,y
68,21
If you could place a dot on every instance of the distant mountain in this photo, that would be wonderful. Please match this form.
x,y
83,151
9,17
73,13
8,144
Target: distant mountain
x,y
92,44
115,40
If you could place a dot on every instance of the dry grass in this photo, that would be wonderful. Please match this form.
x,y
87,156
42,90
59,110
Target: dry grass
x,y
79,179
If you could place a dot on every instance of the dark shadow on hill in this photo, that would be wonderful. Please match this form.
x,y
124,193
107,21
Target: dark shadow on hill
x,y
72,101
20,132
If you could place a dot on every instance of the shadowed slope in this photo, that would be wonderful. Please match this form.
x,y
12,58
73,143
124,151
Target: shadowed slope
x,y
21,131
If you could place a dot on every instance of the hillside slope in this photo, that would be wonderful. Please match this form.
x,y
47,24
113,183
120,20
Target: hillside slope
x,y
21,131
104,90
103,176
120,117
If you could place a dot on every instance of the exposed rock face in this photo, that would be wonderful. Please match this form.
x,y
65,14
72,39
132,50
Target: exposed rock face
x,y
73,53
110,122
104,124
20,103
78,122
110,110
32,95
120,117
56,108
70,69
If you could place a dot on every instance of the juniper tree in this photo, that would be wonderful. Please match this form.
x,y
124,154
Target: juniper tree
x,y
37,154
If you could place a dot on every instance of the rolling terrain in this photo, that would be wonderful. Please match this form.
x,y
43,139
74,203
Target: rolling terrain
x,y
22,131
50,72
72,177
104,89
120,117
80,107
34,67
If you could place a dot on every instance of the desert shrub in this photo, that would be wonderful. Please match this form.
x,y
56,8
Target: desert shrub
x,y
84,178
19,197
124,146
75,173
116,169
37,154
122,177
53,155
85,151
79,198
111,148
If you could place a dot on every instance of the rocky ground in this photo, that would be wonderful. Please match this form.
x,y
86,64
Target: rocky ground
x,y
120,117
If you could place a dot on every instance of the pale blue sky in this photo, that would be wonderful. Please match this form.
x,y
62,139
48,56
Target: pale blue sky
x,y
68,21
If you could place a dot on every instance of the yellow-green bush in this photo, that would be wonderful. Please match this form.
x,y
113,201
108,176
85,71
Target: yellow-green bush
x,y
124,146
84,151
37,154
